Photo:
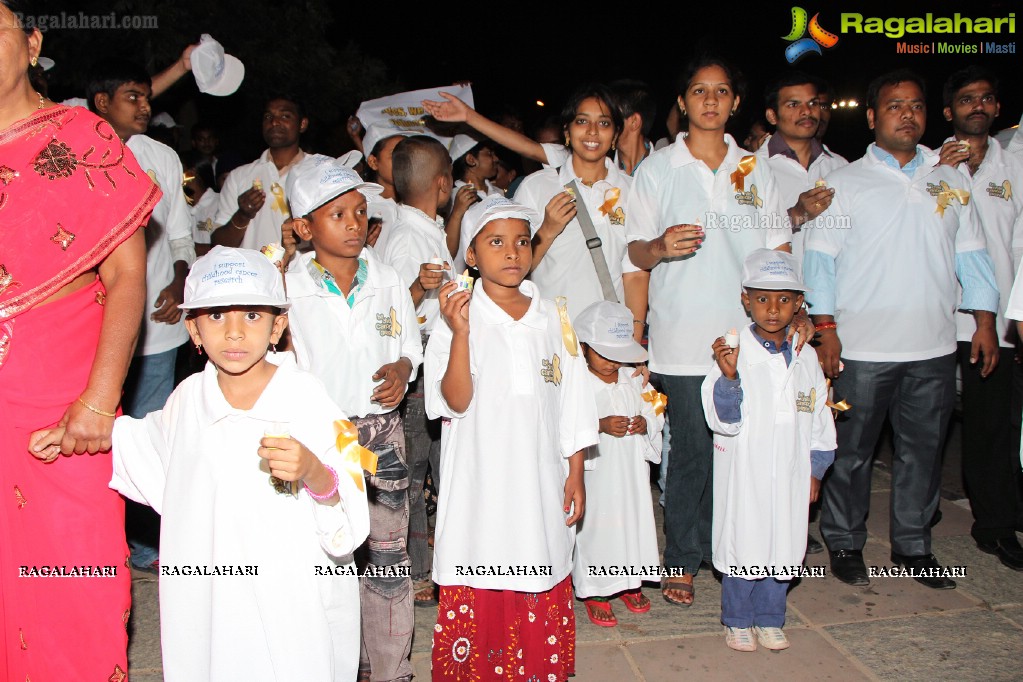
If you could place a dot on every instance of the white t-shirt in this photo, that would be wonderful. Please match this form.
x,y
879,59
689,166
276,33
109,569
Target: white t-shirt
x,y
1014,308
694,300
416,239
999,204
567,268
265,228
386,211
168,240
204,216
195,463
896,290
503,460
344,347
793,180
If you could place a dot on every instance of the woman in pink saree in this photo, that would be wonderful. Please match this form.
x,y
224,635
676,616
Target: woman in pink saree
x,y
72,284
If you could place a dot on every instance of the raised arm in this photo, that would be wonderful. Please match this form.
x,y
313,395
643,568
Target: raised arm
x,y
455,110
173,73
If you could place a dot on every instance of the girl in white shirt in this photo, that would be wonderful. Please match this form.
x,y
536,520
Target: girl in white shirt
x,y
256,580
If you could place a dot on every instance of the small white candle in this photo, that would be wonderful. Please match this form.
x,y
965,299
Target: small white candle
x,y
732,338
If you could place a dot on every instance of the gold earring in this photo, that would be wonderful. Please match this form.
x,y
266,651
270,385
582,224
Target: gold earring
x,y
613,145
198,348
567,142
35,61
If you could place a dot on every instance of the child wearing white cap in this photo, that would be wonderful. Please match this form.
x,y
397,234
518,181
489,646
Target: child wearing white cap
x,y
619,528
506,374
354,326
244,467
774,437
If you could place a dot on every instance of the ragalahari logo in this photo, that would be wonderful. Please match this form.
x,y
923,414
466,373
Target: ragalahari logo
x,y
802,46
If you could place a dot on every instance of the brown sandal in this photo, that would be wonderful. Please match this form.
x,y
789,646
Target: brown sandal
x,y
682,583
425,593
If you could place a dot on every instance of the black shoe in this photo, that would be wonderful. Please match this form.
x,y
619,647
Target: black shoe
x,y
813,546
1007,550
847,565
927,569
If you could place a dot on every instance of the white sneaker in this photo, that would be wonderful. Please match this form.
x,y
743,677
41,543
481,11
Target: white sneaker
x,y
771,638
740,639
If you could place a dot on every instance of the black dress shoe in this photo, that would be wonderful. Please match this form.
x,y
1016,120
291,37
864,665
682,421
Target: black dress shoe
x,y
926,570
813,546
1007,550
847,565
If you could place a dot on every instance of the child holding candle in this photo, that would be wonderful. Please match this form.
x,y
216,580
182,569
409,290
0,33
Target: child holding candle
x,y
774,438
238,594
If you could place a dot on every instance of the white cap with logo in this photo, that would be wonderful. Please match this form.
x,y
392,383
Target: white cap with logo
x,y
493,208
317,179
606,327
772,270
216,72
226,277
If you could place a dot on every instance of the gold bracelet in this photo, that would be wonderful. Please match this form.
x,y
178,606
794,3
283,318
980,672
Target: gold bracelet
x,y
96,409
236,226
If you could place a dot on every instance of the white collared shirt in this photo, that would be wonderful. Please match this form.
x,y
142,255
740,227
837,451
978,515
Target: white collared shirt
x,y
996,191
567,268
896,290
196,463
386,211
503,466
344,347
204,216
416,239
694,300
265,228
168,240
793,180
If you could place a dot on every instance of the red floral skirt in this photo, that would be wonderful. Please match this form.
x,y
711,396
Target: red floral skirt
x,y
504,635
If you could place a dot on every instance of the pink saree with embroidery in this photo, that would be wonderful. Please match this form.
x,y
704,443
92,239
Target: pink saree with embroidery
x,y
70,193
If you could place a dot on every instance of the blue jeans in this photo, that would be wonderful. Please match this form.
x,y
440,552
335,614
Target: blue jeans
x,y
688,487
745,603
149,383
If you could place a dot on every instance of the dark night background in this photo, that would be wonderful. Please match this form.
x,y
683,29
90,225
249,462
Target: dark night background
x,y
334,56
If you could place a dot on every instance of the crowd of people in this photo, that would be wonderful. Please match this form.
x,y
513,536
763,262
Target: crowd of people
x,y
289,359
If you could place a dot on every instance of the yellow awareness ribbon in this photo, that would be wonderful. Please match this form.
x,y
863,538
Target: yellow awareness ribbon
x,y
610,199
355,457
840,406
757,201
1006,190
280,205
745,167
567,331
658,400
946,196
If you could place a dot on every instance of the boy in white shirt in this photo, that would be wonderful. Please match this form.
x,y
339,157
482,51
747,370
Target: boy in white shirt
x,y
772,432
354,327
506,374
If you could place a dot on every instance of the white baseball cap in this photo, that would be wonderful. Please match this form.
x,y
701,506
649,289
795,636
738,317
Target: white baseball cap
x,y
226,276
377,132
607,328
216,72
461,145
492,208
163,120
317,179
772,270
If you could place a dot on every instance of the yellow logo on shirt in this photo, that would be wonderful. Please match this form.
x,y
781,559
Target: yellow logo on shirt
x,y
205,225
750,198
152,176
550,370
1002,191
388,326
806,403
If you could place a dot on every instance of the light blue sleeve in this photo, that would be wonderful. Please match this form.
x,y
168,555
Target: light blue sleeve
x,y
976,273
820,460
728,399
819,276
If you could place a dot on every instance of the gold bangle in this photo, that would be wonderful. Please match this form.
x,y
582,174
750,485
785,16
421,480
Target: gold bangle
x,y
236,226
96,409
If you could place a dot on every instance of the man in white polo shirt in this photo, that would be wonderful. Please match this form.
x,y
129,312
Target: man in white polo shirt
x,y
252,202
886,286
991,427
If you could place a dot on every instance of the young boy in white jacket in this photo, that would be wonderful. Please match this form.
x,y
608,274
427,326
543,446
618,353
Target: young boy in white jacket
x,y
774,437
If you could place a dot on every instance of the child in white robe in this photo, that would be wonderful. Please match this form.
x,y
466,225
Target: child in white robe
x,y
616,543
256,580
774,437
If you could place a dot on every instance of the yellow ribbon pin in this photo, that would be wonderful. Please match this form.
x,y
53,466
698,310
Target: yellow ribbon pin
x,y
840,406
1006,190
280,205
355,457
745,167
757,201
610,199
947,194
567,331
658,400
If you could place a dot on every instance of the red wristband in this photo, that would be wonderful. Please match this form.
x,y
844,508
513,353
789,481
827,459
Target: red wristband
x,y
825,325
